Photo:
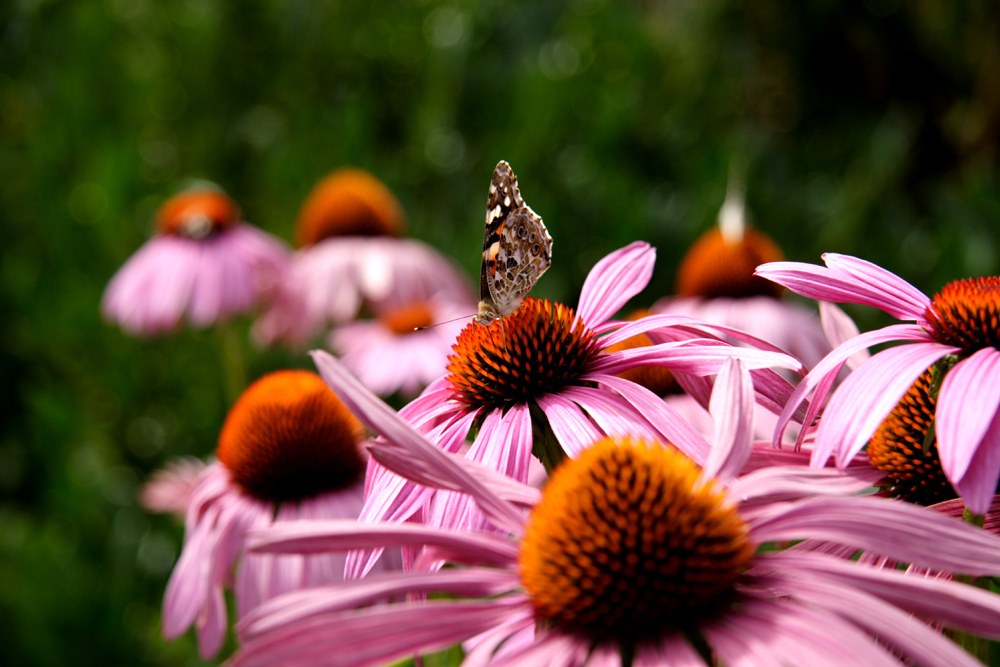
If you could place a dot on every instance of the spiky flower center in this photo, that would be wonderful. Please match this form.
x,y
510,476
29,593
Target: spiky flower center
x,y
197,214
966,313
715,267
540,349
406,319
349,202
903,450
626,545
289,437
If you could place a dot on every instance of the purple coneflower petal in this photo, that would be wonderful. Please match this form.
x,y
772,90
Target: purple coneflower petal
x,y
895,529
456,510
881,281
886,621
380,418
394,457
980,482
614,280
212,624
958,606
667,423
290,608
783,483
967,405
515,633
372,637
697,356
850,280
826,370
189,581
572,427
732,411
551,649
676,652
305,537
867,396
840,328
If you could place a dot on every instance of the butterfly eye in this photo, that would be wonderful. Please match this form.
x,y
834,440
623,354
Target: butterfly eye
x,y
535,248
521,232
531,239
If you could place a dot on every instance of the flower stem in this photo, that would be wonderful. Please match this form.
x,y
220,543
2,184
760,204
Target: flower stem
x,y
544,445
234,363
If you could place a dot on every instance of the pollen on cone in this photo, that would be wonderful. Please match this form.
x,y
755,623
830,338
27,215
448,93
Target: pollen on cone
x,y
626,544
715,268
197,213
349,202
966,313
288,436
539,349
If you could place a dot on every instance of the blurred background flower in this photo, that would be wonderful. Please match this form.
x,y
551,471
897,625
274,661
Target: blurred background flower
x,y
865,128
203,265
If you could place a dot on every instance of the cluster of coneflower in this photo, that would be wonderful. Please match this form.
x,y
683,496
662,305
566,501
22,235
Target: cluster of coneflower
x,y
722,478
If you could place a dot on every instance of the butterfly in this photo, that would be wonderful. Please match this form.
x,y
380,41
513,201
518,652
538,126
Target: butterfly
x,y
517,249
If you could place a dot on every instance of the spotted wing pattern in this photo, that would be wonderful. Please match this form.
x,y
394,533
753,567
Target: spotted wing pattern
x,y
517,248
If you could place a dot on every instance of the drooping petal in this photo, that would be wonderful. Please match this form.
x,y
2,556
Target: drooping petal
x,y
780,482
881,281
889,623
614,280
381,418
572,427
285,610
967,405
398,458
318,536
979,484
827,369
674,651
552,649
516,632
698,356
840,328
504,446
850,280
664,421
732,408
780,633
868,394
373,637
959,606
891,528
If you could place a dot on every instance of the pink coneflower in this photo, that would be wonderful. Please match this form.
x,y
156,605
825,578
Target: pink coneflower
x,y
352,256
549,368
635,556
203,264
288,450
955,336
716,283
405,348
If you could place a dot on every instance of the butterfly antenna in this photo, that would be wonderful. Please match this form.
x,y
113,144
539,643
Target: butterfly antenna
x,y
429,326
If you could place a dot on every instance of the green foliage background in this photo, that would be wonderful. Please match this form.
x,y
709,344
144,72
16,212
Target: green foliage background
x,y
865,128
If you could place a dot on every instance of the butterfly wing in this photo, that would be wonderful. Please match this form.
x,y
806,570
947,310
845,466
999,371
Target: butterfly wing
x,y
525,254
517,249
